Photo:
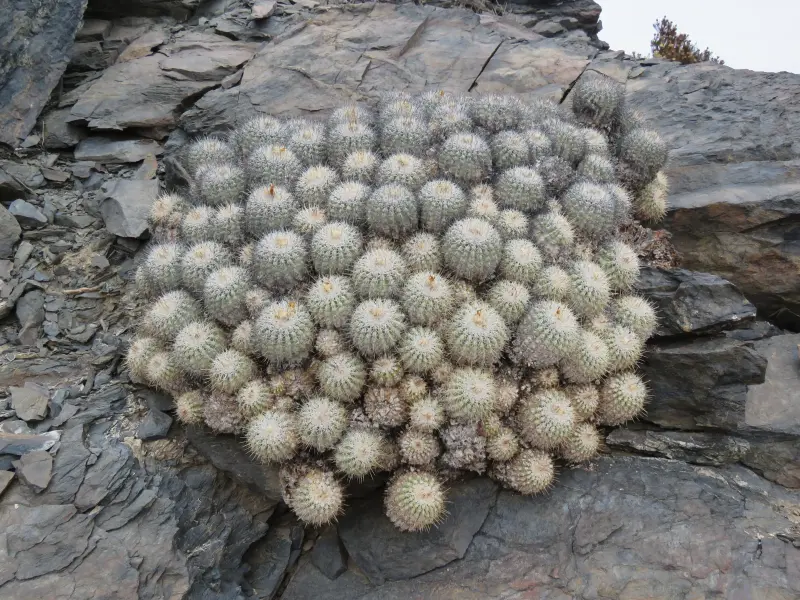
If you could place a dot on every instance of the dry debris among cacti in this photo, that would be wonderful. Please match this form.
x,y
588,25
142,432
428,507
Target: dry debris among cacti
x,y
435,287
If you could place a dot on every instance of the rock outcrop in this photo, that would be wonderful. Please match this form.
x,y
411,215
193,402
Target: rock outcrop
x,y
102,495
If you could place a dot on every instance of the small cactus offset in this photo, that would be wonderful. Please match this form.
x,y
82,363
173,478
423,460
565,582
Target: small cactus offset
x,y
434,287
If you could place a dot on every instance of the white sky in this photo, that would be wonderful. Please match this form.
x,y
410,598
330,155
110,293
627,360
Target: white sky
x,y
762,36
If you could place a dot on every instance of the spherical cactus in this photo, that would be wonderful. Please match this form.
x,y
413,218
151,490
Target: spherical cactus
x,y
307,221
469,394
392,211
349,137
521,261
342,377
376,326
360,166
503,445
622,398
620,263
481,202
531,472
415,501
422,252
335,247
331,301
167,211
196,225
597,168
591,208
221,184
546,419
402,169
553,284
448,120
642,154
521,188
510,300
399,104
329,343
269,208
280,260
556,173
197,345
509,150
506,397
496,112
272,436
315,185
276,165
651,201
466,157
360,452
547,333
596,99
162,267
421,350
589,291
582,445
225,293
385,407
405,135
596,143
308,143
386,371
476,335
426,414
351,113
189,408
321,422
221,414
164,372
379,274
230,370
284,333
139,354
512,223
442,203
624,347
418,447
584,400
590,360
427,298
199,262
472,249
263,130
636,314
169,314
539,145
568,140
206,151
255,300
317,498
553,233
348,202
254,398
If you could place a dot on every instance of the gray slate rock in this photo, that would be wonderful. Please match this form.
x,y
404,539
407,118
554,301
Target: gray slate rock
x,y
110,150
154,426
35,469
384,553
36,43
5,480
30,313
27,215
126,204
774,406
10,232
273,556
58,133
18,444
29,403
734,176
693,303
328,555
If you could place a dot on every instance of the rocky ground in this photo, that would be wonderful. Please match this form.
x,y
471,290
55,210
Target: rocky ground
x,y
103,496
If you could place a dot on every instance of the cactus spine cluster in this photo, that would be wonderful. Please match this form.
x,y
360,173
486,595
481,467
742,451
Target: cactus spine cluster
x,y
434,287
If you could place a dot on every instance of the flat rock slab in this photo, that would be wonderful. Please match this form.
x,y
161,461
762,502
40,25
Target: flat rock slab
x,y
29,403
734,174
627,528
126,204
35,469
10,232
774,405
148,91
361,51
384,553
5,480
36,37
113,150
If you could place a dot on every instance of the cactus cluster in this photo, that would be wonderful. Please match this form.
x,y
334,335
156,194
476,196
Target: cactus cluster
x,y
433,287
